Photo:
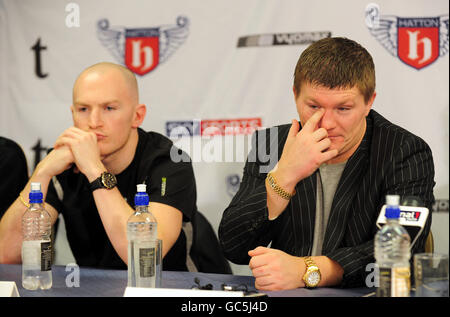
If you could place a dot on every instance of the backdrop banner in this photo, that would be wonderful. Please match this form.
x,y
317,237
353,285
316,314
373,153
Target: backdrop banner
x,y
211,72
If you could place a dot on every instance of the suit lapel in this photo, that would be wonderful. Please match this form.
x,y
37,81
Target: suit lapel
x,y
345,193
303,211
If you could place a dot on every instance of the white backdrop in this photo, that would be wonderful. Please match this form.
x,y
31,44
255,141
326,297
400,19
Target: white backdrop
x,y
205,77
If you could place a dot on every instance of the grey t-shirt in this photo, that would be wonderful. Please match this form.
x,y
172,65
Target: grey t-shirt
x,y
327,182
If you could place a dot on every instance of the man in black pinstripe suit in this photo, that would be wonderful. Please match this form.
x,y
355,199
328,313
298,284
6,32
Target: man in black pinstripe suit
x,y
317,207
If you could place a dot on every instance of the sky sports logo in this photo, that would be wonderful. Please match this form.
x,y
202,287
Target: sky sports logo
x,y
223,140
212,127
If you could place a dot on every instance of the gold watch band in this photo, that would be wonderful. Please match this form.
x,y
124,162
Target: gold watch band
x,y
309,262
312,274
277,188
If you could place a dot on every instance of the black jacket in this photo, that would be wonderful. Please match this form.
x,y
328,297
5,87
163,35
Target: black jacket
x,y
389,160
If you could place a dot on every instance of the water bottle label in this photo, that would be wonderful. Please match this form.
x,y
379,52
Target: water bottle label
x,y
401,282
46,256
147,262
394,282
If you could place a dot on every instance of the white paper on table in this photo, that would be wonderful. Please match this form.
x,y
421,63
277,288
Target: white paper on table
x,y
8,289
174,292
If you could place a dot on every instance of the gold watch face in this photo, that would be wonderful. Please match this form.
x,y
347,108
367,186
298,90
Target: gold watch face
x,y
109,180
313,278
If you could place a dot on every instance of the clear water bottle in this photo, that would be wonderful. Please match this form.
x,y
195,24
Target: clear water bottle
x,y
392,253
36,245
142,242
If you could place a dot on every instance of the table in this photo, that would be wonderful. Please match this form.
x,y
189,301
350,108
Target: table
x,y
112,283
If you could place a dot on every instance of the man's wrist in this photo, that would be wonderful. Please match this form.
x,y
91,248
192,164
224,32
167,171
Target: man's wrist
x,y
41,175
95,173
283,181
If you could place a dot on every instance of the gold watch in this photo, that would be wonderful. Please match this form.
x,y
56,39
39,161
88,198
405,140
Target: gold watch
x,y
277,188
312,275
106,180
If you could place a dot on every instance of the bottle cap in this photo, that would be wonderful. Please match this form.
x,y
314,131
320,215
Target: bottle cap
x,y
392,200
141,198
36,187
392,212
392,208
141,188
36,196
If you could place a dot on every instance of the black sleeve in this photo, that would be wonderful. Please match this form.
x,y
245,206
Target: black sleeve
x,y
173,184
13,173
245,224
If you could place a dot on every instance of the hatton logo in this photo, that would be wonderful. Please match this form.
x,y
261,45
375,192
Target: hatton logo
x,y
418,41
142,49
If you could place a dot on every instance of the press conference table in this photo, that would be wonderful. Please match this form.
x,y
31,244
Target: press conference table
x,y
112,283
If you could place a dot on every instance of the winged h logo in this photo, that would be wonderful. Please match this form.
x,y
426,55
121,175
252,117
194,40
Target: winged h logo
x,y
417,42
142,49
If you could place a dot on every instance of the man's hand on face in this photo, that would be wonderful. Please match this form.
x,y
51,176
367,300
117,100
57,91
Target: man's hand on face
x,y
85,151
304,151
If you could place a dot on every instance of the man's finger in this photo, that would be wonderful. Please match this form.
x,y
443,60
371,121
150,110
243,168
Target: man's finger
x,y
263,285
295,126
313,121
260,271
264,281
320,134
61,141
328,155
257,251
324,144
258,258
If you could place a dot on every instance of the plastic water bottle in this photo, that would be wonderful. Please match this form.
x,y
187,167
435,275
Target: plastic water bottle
x,y
392,253
36,245
142,244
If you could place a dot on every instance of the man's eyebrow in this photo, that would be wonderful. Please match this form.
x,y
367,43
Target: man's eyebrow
x,y
109,102
348,102
80,104
311,100
83,104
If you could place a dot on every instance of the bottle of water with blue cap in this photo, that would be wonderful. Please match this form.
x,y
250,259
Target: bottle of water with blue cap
x,y
392,253
142,242
36,244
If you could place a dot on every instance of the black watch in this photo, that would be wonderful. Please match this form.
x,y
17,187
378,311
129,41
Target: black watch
x,y
106,180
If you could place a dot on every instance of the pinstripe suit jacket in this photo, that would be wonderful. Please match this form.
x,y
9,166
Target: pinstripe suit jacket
x,y
389,160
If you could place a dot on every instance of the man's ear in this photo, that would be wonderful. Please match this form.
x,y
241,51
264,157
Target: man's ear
x,y
139,115
370,103
295,92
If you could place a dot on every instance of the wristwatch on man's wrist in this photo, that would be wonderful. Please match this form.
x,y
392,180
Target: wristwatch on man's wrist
x,y
312,275
106,180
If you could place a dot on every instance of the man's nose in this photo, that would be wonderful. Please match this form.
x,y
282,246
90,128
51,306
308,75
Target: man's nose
x,y
95,119
328,121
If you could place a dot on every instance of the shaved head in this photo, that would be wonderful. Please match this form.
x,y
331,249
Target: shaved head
x,y
105,102
106,69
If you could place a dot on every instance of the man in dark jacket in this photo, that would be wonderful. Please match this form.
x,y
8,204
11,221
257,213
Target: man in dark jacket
x,y
318,205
